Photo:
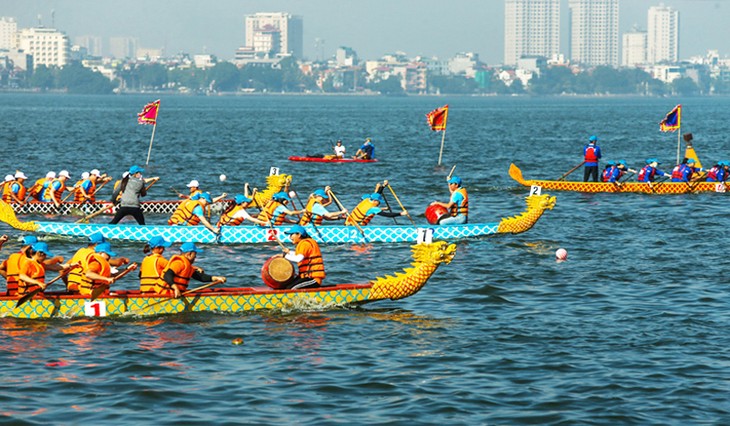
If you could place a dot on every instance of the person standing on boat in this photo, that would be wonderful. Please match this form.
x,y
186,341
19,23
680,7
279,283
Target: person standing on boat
x,y
153,265
131,190
316,211
192,212
650,171
237,213
176,275
308,257
366,151
458,204
591,155
339,149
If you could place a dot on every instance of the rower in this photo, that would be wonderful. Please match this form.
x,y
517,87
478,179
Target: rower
x,y
458,203
366,151
10,268
316,211
153,265
180,269
14,192
98,271
308,257
650,170
339,149
237,214
76,275
368,207
192,212
32,273
38,189
275,211
54,191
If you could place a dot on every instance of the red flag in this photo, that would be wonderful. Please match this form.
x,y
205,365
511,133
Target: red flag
x,y
672,121
437,118
149,113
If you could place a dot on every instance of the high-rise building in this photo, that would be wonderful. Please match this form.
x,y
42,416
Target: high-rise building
x,y
8,33
634,48
123,47
275,33
594,32
92,44
531,28
663,35
47,46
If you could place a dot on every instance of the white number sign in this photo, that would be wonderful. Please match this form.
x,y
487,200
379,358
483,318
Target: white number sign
x,y
425,236
536,190
96,308
273,171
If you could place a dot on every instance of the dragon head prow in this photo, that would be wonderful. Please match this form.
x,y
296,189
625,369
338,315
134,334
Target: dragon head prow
x,y
434,253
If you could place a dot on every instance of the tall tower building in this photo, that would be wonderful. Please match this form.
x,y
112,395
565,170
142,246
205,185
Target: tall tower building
x,y
663,35
594,32
274,33
634,48
92,44
8,33
531,28
47,46
123,47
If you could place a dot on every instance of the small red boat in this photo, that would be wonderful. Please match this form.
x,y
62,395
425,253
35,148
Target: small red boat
x,y
330,159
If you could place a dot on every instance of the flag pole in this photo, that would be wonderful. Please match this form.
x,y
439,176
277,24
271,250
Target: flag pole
x,y
149,151
443,136
679,142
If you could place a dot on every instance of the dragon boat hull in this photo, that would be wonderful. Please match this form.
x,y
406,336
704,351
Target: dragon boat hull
x,y
635,187
330,160
167,207
328,234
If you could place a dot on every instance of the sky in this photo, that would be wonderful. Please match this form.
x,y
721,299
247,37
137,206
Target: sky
x,y
372,28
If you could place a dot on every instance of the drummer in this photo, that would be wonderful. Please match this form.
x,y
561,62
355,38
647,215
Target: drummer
x,y
180,269
458,204
308,257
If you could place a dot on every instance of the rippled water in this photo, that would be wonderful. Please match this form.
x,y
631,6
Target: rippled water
x,y
631,330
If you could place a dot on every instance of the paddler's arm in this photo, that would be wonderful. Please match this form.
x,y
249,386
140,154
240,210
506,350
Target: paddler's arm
x,y
207,224
3,239
25,278
205,278
220,197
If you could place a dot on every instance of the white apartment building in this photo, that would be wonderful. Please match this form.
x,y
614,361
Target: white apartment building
x,y
48,46
663,35
531,28
275,33
8,33
634,49
594,32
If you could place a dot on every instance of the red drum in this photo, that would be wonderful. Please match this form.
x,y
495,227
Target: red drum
x,y
434,213
277,272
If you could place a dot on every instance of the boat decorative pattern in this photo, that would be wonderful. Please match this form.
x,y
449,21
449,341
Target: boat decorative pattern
x,y
82,209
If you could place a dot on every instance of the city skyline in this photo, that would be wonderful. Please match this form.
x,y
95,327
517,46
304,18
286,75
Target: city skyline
x,y
372,29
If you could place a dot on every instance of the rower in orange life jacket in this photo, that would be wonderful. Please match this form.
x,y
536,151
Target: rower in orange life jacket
x,y
10,268
153,265
98,271
364,212
308,257
15,191
32,272
275,211
316,211
591,155
237,214
38,189
54,191
86,188
176,275
192,212
458,204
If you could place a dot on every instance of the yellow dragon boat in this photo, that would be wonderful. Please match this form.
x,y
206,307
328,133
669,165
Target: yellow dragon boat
x,y
427,258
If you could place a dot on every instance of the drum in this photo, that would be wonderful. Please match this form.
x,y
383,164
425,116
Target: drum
x,y
434,213
277,272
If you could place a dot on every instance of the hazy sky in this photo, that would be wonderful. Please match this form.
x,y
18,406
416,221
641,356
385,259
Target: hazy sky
x,y
371,27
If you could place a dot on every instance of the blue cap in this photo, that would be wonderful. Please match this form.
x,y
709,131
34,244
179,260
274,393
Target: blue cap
x,y
29,240
281,196
622,162
96,238
297,229
593,138
135,169
321,193
611,163
43,247
105,247
240,198
365,196
158,242
691,161
189,247
456,180
205,196
377,197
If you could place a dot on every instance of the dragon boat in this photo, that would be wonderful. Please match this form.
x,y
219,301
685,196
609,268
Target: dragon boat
x,y
275,183
330,234
330,159
640,187
427,258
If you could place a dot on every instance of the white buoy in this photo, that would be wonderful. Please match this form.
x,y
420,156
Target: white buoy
x,y
222,178
561,254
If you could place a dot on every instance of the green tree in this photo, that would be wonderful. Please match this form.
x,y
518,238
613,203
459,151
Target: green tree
x,y
192,78
152,76
43,78
225,77
456,84
390,86
555,80
685,86
76,78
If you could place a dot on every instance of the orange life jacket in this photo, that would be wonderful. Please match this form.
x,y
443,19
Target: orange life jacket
x,y
184,214
183,270
12,268
34,270
312,266
463,208
150,272
268,212
358,214
75,277
105,270
308,214
37,189
226,217
51,194
90,194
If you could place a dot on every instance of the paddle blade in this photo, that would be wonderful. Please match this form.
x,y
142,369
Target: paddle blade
x,y
26,297
97,291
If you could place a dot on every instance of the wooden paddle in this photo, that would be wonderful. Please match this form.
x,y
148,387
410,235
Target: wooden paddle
x,y
26,297
86,218
97,291
400,204
357,225
311,221
451,173
187,293
571,171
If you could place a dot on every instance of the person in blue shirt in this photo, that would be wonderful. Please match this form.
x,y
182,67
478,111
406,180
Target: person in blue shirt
x,y
719,172
591,155
650,171
366,151
683,172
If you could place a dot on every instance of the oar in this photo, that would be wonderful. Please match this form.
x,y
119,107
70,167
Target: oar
x,y
571,171
98,188
357,225
97,291
178,193
86,218
26,297
187,293
451,173
70,193
311,221
400,204
386,201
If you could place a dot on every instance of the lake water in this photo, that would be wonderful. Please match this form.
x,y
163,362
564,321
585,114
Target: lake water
x,y
632,329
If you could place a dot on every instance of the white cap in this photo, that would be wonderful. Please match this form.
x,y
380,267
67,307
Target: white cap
x,y
125,174
51,175
9,178
85,175
20,175
95,172
64,173
193,184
